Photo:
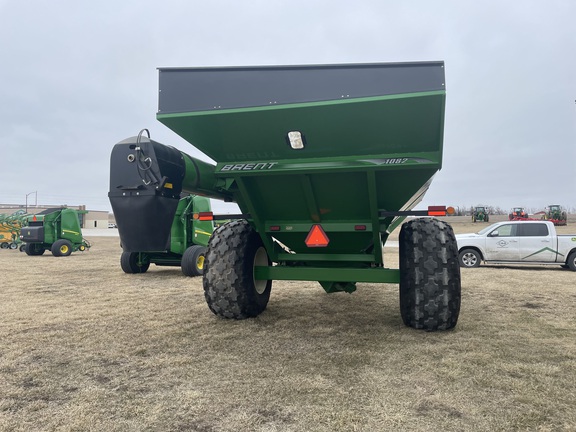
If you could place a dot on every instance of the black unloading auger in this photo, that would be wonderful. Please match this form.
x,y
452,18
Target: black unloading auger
x,y
323,161
146,183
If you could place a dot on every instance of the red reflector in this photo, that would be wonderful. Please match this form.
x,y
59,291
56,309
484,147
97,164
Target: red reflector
x,y
205,216
360,227
436,210
275,228
317,237
34,218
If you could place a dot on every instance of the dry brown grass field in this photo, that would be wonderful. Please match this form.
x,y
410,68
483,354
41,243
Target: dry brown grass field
x,y
84,346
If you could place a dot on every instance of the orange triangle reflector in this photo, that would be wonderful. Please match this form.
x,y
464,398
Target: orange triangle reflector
x,y
317,237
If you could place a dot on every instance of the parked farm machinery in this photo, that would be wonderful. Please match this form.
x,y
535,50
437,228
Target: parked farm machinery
x,y
556,214
189,235
518,213
10,226
57,230
324,163
480,214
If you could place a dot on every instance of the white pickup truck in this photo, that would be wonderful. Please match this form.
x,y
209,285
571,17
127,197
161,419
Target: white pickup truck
x,y
518,242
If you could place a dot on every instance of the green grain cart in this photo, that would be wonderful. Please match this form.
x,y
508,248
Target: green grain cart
x,y
324,163
57,230
189,235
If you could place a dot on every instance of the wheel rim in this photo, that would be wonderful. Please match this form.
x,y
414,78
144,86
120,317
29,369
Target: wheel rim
x,y
260,259
82,248
200,262
64,249
469,259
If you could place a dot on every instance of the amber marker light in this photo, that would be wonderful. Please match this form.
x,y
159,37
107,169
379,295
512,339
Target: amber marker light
x,y
205,216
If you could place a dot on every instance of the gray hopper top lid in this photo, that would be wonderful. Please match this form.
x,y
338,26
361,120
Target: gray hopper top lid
x,y
215,88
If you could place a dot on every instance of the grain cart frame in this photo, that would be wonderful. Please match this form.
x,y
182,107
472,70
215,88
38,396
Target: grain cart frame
x,y
324,163
57,230
189,235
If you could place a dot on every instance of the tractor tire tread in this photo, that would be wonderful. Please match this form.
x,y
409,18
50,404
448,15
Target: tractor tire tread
x,y
228,276
430,285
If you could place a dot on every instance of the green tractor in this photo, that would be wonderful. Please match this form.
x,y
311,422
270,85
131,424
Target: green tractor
x,y
57,230
189,234
324,162
480,214
556,214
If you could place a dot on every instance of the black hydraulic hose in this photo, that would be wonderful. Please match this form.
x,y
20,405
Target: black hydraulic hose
x,y
142,159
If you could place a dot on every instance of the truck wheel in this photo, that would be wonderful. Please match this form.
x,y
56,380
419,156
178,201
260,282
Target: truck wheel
x,y
193,260
571,262
429,275
4,245
22,247
61,248
469,258
13,246
134,262
34,249
229,285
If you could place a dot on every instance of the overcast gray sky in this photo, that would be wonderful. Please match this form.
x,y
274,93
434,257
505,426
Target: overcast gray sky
x,y
79,76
